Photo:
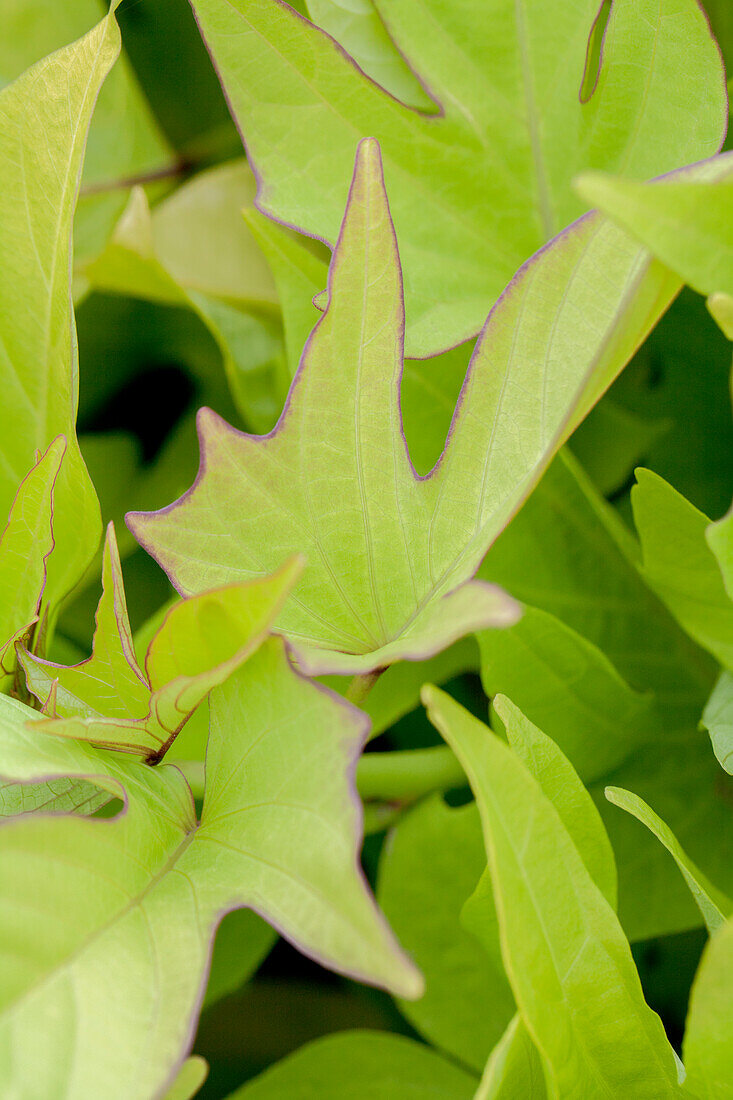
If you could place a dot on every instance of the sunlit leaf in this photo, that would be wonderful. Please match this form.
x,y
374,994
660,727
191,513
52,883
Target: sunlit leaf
x,y
480,187
707,1049
386,568
566,957
127,907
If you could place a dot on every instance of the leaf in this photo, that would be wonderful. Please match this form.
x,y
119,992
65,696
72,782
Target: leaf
x,y
679,565
124,138
560,783
243,941
191,1077
386,581
358,27
480,187
567,959
514,1070
361,1065
110,701
25,546
567,554
145,891
719,538
44,118
721,308
706,1049
421,887
713,905
159,256
688,225
683,781
718,720
569,685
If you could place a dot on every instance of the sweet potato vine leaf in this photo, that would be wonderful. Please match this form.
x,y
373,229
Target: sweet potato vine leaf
x,y
109,700
388,553
44,118
707,1048
25,545
565,954
713,905
126,908
480,185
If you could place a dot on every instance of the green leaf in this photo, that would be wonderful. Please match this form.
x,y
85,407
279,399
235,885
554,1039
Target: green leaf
x,y
44,118
25,545
124,139
195,250
718,720
110,701
386,582
191,1077
567,959
361,1065
514,1070
679,565
422,886
242,941
713,905
688,225
126,908
719,537
706,1049
480,187
570,686
358,27
559,782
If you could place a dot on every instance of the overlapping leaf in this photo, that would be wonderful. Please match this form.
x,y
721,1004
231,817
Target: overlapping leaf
x,y
124,139
25,546
123,910
718,720
388,553
566,957
480,186
707,1049
110,701
44,118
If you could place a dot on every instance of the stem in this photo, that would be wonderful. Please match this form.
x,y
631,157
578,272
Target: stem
x,y
404,776
170,171
361,685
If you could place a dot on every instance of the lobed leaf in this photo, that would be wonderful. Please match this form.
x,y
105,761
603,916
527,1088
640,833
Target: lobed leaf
x,y
110,701
129,906
387,568
480,186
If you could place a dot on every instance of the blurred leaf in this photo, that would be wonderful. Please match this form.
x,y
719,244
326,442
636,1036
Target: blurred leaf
x,y
242,941
569,964
191,1077
707,1048
611,441
124,139
713,905
718,720
429,866
361,1065
41,152
480,187
679,565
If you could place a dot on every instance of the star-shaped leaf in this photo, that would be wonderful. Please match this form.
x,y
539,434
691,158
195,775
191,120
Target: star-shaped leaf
x,y
389,553
109,700
481,182
106,925
25,545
